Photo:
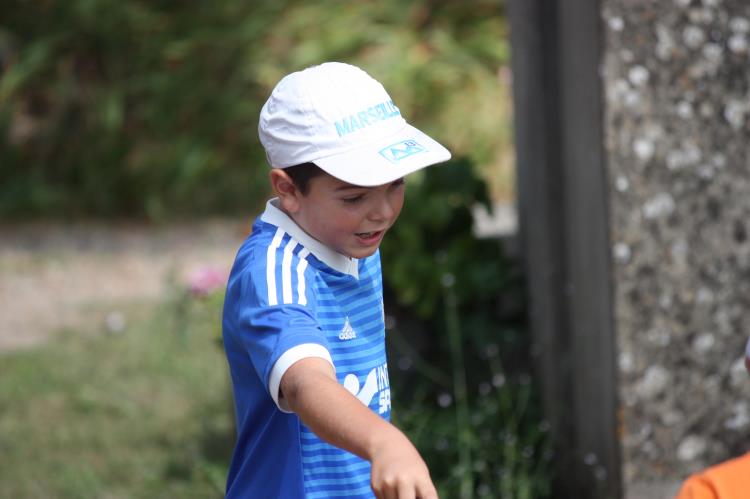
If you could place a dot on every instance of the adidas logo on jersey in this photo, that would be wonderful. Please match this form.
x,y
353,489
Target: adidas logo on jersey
x,y
347,333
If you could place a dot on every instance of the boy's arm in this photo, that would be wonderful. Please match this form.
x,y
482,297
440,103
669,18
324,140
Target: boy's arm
x,y
335,415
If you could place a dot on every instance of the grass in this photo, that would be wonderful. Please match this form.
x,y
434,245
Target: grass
x,y
146,413
142,413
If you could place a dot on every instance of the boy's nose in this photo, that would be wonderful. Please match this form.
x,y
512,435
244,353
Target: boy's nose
x,y
383,210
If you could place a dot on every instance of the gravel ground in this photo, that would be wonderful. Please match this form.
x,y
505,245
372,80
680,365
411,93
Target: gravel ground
x,y
55,276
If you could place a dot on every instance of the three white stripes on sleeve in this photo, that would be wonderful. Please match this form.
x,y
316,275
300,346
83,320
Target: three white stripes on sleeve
x,y
286,271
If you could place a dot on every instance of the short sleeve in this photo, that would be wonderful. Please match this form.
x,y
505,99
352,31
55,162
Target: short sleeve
x,y
276,323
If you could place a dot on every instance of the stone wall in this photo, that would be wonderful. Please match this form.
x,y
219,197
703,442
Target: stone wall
x,y
676,78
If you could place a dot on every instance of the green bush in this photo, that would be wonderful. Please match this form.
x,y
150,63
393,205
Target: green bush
x,y
127,108
458,347
132,108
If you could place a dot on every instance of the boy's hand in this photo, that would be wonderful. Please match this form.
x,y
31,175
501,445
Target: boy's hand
x,y
398,471
336,416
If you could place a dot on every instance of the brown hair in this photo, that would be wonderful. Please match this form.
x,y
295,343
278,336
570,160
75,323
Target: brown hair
x,y
302,174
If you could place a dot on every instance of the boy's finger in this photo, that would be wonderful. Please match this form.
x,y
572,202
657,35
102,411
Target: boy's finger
x,y
381,492
427,491
406,491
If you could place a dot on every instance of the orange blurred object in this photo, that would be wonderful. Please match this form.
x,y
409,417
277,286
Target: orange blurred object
x,y
727,480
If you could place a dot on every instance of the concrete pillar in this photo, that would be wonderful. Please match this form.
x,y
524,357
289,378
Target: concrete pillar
x,y
632,129
677,147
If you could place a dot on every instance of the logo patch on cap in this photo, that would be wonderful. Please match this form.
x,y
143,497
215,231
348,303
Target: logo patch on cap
x,y
401,150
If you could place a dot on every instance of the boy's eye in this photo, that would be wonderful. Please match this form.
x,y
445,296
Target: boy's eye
x,y
354,199
399,182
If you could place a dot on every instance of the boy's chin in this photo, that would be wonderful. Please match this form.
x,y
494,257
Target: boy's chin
x,y
362,253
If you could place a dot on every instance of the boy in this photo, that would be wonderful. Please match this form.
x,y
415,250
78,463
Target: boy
x,y
303,318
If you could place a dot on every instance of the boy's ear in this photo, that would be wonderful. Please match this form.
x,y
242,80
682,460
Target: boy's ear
x,y
284,187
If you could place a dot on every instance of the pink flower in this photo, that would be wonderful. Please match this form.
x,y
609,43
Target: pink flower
x,y
205,280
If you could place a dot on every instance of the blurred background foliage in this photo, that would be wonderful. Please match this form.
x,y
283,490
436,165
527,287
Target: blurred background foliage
x,y
149,109
458,344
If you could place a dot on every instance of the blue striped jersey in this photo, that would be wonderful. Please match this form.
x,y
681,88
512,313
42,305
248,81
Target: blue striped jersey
x,y
290,297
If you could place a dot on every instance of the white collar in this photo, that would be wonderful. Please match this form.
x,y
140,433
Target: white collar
x,y
275,216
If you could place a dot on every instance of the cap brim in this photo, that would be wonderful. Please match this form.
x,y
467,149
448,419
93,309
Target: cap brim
x,y
384,160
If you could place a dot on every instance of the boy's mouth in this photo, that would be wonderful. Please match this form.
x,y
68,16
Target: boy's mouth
x,y
369,236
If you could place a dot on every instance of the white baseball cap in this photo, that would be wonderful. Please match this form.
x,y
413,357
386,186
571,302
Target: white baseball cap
x,y
337,116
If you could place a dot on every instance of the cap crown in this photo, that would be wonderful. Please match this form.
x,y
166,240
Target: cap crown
x,y
323,111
